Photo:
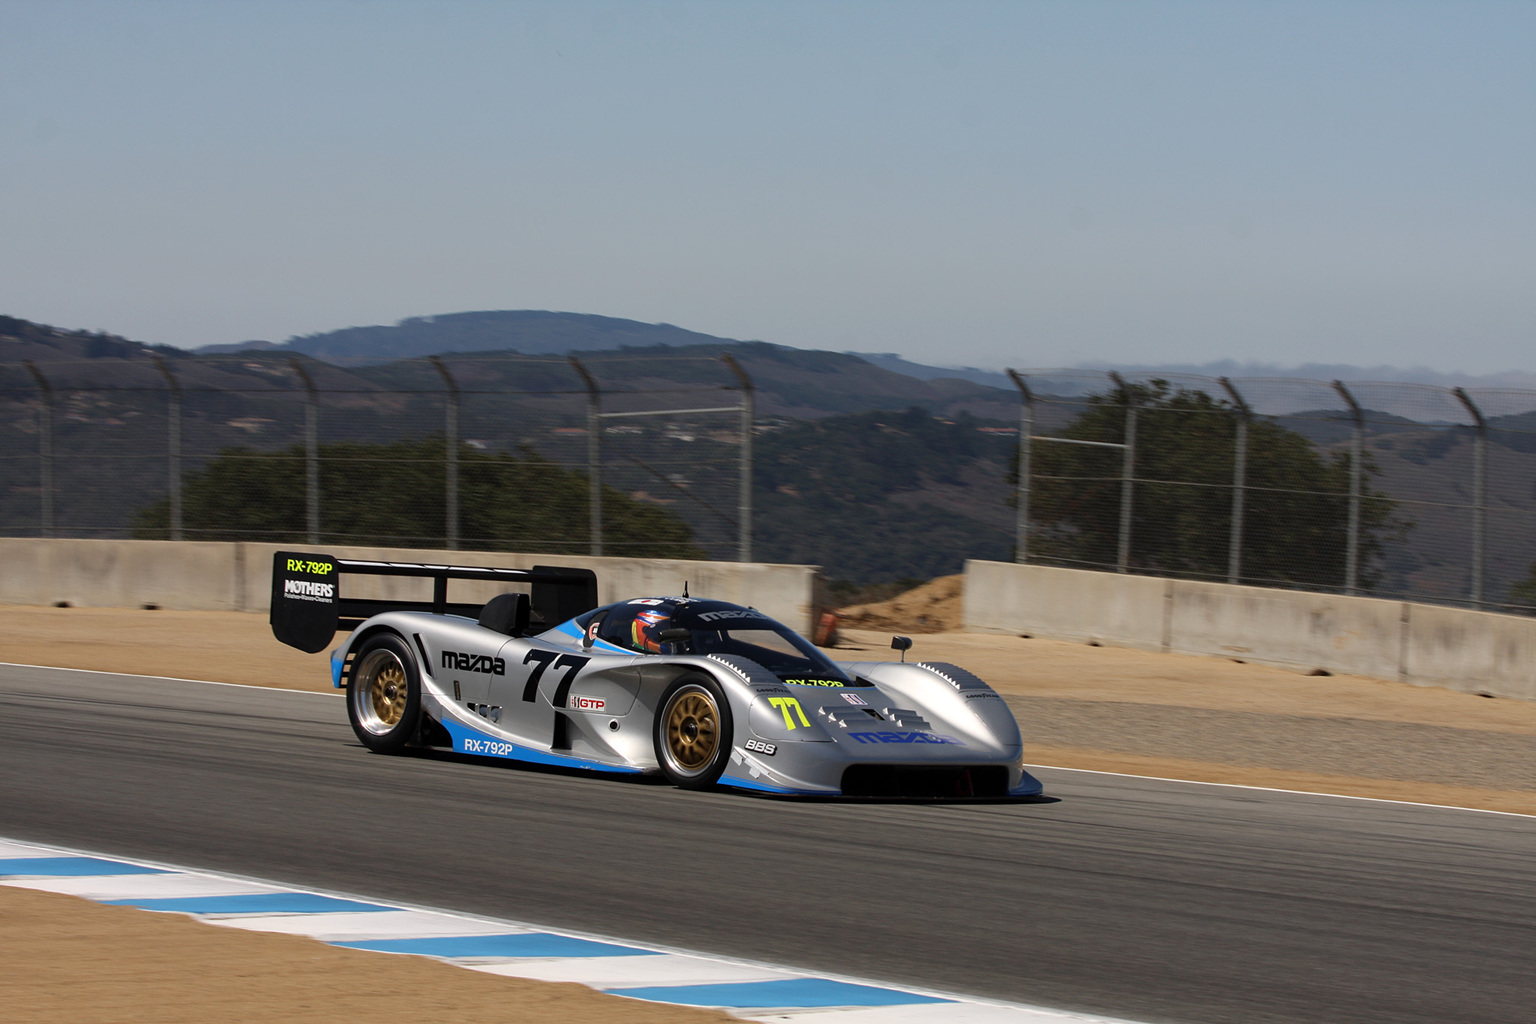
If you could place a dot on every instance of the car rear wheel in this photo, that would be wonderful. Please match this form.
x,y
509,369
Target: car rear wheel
x,y
693,732
384,694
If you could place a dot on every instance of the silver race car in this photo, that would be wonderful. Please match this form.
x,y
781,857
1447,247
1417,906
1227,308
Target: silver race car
x,y
704,692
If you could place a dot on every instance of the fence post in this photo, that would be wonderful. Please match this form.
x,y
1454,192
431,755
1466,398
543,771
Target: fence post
x,y
1239,481
1127,475
594,457
1026,430
311,451
1356,453
173,443
744,501
45,446
1479,494
451,445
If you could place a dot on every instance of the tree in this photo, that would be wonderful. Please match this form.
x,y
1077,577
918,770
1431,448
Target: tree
x,y
1295,520
1523,594
884,495
393,494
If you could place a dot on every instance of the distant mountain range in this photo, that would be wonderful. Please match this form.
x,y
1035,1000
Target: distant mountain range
x,y
1328,371
791,383
543,332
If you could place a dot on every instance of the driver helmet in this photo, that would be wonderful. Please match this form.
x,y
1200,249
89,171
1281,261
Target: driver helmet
x,y
646,630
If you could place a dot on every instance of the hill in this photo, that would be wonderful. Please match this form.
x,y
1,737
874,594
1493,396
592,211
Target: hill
x,y
922,371
791,383
22,340
885,495
525,331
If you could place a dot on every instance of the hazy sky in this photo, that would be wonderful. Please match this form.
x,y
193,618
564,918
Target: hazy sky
x,y
1025,183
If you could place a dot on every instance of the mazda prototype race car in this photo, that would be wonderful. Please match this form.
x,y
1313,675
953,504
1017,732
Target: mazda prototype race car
x,y
703,692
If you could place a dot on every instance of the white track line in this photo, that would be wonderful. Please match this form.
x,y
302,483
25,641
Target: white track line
x,y
328,692
1291,792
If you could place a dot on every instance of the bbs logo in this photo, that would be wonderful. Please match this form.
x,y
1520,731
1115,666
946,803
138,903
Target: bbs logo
x,y
474,663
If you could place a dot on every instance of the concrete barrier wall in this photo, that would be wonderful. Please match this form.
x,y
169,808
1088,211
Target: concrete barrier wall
x,y
1429,645
1066,604
121,574
1492,653
238,576
1358,635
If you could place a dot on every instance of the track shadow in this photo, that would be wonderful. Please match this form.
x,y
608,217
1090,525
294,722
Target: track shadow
x,y
659,781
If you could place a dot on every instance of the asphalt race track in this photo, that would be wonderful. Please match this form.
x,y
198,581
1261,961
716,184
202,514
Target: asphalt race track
x,y
1133,898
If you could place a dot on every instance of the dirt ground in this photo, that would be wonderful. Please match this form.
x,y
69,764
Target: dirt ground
x,y
226,647
934,607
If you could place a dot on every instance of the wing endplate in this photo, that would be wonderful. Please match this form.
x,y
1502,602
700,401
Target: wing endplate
x,y
304,599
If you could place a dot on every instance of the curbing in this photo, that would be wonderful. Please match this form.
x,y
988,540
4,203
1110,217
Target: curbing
x,y
751,991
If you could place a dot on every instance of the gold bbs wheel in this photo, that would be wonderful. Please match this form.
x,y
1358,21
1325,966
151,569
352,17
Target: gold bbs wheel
x,y
383,695
693,734
386,693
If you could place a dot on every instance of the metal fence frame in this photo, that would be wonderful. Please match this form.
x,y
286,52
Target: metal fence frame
x,y
744,411
1243,414
1473,410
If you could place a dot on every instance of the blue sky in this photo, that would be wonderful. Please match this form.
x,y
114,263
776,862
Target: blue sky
x,y
990,184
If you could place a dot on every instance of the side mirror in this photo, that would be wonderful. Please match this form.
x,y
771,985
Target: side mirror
x,y
902,644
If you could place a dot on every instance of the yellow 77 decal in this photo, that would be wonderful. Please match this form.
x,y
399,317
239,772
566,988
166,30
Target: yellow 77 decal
x,y
785,706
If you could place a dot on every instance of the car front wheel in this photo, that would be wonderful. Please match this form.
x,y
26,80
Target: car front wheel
x,y
693,732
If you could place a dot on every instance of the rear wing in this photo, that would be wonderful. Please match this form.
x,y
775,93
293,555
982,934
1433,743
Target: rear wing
x,y
308,608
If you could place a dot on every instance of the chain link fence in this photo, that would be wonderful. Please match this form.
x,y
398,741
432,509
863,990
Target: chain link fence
x,y
1389,489
1393,490
472,452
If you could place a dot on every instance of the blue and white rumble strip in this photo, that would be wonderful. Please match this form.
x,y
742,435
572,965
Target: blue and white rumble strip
x,y
751,991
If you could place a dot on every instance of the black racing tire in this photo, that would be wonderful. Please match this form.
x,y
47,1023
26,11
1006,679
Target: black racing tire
x,y
693,732
384,694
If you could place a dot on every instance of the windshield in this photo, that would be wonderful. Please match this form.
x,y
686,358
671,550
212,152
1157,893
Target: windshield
x,y
775,648
672,626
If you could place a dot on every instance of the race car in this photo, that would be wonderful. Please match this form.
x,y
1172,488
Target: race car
x,y
703,692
